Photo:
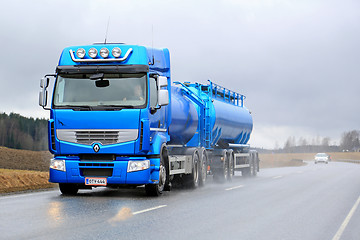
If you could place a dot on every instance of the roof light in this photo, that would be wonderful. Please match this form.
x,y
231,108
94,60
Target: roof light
x,y
93,52
116,52
104,52
80,53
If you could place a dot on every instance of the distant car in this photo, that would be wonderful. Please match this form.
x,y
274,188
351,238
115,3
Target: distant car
x,y
322,157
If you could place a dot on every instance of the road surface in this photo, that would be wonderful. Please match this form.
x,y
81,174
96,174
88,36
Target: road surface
x,y
310,202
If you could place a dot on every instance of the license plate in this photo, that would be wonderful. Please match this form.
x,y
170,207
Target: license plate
x,y
96,181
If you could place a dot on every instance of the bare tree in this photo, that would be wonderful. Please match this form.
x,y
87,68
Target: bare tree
x,y
350,140
325,141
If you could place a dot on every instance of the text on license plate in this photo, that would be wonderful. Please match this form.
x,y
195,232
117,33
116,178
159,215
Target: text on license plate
x,y
96,181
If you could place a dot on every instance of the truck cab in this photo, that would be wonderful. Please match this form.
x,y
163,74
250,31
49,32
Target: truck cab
x,y
109,117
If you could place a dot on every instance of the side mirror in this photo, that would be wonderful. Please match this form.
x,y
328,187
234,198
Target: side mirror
x,y
43,97
163,94
162,82
163,97
44,82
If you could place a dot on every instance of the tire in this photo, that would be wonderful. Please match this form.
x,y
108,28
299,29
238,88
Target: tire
x,y
68,189
157,189
192,180
253,168
231,169
203,167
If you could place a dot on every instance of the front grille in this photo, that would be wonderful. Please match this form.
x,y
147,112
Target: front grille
x,y
97,157
96,165
103,137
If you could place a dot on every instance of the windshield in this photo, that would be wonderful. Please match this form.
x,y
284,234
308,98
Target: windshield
x,y
100,91
321,155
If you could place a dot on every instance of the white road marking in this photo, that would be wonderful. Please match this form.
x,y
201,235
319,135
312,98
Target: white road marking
x,y
277,177
149,209
232,188
20,195
346,221
299,172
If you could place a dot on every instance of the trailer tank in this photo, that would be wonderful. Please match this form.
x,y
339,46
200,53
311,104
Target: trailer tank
x,y
230,121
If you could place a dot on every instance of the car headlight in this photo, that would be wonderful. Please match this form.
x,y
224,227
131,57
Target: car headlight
x,y
58,165
138,165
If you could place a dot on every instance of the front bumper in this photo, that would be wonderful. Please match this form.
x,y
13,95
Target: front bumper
x,y
115,171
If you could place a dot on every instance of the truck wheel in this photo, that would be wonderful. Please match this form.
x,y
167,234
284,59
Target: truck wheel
x,y
192,180
68,189
203,167
230,166
254,169
157,189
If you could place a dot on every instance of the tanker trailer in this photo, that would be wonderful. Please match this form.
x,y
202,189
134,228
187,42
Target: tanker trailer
x,y
128,126
209,131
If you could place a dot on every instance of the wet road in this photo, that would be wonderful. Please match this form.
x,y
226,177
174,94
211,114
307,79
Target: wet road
x,y
311,202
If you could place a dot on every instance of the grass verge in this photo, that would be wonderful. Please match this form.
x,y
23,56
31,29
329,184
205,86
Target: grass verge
x,y
22,180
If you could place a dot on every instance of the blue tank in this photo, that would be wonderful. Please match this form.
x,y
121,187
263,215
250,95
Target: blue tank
x,y
229,121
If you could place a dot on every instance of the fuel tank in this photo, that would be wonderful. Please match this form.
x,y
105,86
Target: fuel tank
x,y
228,122
184,118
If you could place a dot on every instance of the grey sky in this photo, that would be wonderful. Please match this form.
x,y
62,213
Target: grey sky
x,y
296,61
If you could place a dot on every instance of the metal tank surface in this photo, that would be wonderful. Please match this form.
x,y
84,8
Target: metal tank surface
x,y
233,124
184,118
229,121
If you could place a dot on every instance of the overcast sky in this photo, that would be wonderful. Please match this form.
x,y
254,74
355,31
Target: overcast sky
x,y
298,62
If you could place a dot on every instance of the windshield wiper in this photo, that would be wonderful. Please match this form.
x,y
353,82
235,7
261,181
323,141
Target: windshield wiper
x,y
75,108
112,107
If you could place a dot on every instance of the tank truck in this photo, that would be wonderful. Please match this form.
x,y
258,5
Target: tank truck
x,y
117,121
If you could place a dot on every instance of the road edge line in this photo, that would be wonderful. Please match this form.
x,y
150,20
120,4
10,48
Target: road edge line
x,y
346,221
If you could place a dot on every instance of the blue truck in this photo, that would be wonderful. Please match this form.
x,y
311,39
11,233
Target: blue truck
x,y
118,120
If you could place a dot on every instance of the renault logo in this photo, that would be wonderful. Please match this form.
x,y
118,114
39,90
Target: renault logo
x,y
96,147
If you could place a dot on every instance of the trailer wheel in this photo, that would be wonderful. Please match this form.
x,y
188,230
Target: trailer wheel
x,y
231,170
157,189
203,167
255,168
192,180
68,189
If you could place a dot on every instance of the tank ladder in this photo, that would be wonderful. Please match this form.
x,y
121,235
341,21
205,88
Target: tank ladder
x,y
207,123
202,112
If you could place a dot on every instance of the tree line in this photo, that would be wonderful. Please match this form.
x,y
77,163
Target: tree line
x,y
350,141
21,132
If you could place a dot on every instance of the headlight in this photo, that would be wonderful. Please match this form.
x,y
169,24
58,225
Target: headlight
x,y
58,165
80,53
138,165
93,52
104,52
116,52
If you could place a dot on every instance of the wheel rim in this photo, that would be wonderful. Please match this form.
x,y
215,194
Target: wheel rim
x,y
226,167
252,168
162,178
203,167
231,167
196,168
